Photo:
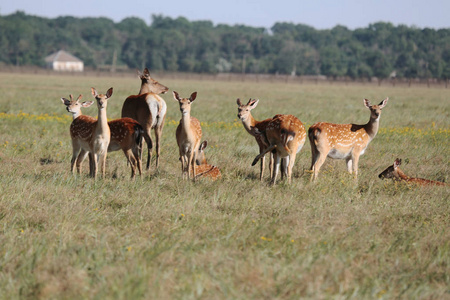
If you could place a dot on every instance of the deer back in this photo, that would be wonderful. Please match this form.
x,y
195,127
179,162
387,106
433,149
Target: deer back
x,y
123,132
83,128
207,171
286,131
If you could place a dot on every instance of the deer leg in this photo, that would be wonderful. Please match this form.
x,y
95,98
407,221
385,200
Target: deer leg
x,y
130,158
93,172
102,162
290,161
183,165
355,164
81,156
148,140
271,162
191,165
349,163
284,167
158,134
318,163
135,154
262,165
276,167
76,148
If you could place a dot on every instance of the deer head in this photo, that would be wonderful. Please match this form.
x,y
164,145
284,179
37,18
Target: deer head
x,y
391,171
375,110
74,106
244,110
185,103
153,86
102,99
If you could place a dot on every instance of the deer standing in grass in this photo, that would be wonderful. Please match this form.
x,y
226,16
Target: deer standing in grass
x,y
397,174
92,135
149,109
343,141
126,135
202,168
188,134
286,136
245,115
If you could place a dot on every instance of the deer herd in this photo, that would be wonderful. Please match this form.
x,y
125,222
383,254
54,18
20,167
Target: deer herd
x,y
282,136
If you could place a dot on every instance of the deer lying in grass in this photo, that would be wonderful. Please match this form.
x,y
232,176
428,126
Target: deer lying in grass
x,y
202,168
126,134
149,109
245,115
188,134
395,173
286,136
343,141
92,135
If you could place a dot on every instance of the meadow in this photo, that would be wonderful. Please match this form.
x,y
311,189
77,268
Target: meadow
x,y
65,236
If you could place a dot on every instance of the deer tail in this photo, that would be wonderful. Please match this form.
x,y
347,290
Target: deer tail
x,y
313,134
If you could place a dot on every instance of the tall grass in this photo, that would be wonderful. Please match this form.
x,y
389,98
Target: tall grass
x,y
66,236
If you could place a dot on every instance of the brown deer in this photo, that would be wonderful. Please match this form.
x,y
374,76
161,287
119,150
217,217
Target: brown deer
x,y
92,135
149,109
395,173
245,115
202,168
286,136
126,134
343,141
188,134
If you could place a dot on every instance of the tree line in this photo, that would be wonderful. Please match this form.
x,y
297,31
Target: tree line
x,y
167,44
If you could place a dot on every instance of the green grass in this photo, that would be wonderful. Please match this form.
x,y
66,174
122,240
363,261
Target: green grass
x,y
64,236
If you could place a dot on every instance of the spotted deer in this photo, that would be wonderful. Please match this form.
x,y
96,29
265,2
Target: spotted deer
x,y
245,115
149,109
92,135
395,173
286,136
343,141
188,134
202,168
126,135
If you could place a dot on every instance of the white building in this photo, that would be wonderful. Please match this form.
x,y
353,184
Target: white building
x,y
64,61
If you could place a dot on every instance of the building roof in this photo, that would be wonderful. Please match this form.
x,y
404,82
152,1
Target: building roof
x,y
63,56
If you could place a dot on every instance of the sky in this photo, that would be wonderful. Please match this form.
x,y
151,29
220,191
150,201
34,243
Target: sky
x,y
320,14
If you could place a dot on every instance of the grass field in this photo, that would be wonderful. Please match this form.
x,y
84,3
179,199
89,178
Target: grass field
x,y
65,236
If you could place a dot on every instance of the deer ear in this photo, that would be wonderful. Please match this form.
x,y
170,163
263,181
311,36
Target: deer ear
x,y
383,103
87,103
176,96
253,103
193,96
109,93
367,103
238,101
203,145
94,92
65,101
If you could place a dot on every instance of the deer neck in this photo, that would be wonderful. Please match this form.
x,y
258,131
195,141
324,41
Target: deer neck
x,y
401,175
145,89
102,121
76,115
372,127
186,122
248,123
